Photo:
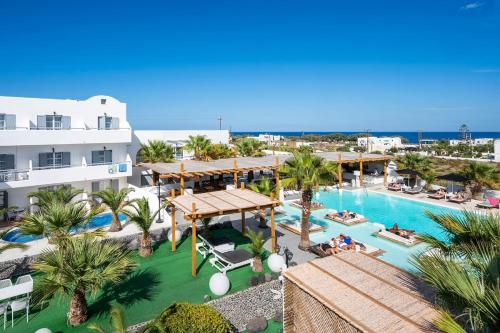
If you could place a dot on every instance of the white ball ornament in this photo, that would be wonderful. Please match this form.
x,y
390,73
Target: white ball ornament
x,y
178,235
219,284
275,262
43,330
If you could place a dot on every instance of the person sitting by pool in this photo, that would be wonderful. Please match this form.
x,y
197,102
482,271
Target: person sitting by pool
x,y
346,242
331,247
400,232
345,215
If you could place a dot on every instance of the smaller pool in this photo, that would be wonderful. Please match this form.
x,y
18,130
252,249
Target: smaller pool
x,y
101,220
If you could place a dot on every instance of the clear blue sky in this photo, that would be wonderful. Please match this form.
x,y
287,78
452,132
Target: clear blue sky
x,y
263,65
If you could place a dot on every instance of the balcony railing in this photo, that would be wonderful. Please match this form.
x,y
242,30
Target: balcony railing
x,y
13,175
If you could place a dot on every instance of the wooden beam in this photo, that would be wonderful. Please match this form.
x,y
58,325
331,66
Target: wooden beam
x,y
174,246
385,173
339,170
361,169
182,179
243,228
273,229
235,175
193,241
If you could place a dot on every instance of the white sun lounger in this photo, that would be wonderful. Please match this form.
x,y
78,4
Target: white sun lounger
x,y
396,238
206,247
230,260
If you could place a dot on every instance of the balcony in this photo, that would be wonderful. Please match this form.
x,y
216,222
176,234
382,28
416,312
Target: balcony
x,y
52,176
43,137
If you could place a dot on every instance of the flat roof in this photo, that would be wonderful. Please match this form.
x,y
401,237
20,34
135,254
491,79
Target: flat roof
x,y
191,168
372,295
221,202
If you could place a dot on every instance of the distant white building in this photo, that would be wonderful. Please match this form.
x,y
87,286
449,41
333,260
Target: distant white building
x,y
473,142
46,143
382,144
497,150
270,139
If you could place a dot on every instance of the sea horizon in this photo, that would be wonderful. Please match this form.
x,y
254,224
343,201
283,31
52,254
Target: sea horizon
x,y
412,137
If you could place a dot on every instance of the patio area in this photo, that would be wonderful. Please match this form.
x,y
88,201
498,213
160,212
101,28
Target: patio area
x,y
158,281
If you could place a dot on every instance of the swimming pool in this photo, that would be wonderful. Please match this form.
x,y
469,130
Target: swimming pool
x,y
101,220
378,208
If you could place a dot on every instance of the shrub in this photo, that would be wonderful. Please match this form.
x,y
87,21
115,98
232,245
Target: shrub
x,y
187,318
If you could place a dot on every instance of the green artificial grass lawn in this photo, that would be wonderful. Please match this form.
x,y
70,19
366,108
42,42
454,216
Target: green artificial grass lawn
x,y
158,281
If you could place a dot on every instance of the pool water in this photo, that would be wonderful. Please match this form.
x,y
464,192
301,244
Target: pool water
x,y
101,220
377,208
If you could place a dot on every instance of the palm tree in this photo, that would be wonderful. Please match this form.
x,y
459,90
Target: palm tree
x,y
266,187
206,226
414,161
217,151
116,321
82,267
248,147
116,202
63,194
257,245
464,270
197,144
9,246
479,175
304,172
156,151
143,218
57,220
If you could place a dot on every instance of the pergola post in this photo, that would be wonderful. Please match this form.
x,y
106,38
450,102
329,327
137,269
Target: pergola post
x,y
193,240
235,174
273,230
243,228
360,169
156,178
277,175
182,179
339,170
173,223
385,172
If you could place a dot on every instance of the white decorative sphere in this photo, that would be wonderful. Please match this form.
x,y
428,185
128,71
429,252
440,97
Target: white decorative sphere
x,y
275,262
43,330
219,284
178,235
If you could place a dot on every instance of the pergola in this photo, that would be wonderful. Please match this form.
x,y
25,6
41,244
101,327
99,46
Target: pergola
x,y
190,168
211,204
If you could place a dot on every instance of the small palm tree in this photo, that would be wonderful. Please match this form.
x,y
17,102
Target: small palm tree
x,y
414,161
479,175
304,172
197,144
464,270
156,151
63,194
9,246
143,218
266,187
116,321
248,147
116,202
57,221
84,266
257,246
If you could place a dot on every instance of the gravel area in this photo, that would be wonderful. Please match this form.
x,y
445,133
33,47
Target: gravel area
x,y
242,306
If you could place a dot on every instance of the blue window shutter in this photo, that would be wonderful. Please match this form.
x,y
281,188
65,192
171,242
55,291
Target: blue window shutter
x,y
66,122
40,122
10,121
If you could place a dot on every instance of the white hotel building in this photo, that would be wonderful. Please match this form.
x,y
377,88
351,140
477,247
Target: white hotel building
x,y
86,144
50,142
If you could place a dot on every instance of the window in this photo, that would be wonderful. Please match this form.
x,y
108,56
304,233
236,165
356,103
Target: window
x,y
105,123
53,122
3,123
102,156
6,162
54,160
103,101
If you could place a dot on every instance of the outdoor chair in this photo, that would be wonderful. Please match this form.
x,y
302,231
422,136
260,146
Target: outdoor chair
x,y
19,305
414,190
3,312
230,260
208,246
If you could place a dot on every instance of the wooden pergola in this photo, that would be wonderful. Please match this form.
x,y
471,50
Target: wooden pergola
x,y
218,203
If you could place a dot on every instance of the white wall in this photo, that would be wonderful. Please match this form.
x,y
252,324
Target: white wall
x,y
497,150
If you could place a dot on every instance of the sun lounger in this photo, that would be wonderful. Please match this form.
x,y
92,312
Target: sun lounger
x,y
207,246
296,227
412,240
230,260
369,250
457,199
394,187
298,204
350,221
414,190
437,196
489,203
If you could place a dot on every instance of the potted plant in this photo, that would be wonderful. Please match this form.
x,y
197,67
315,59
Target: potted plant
x,y
257,239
